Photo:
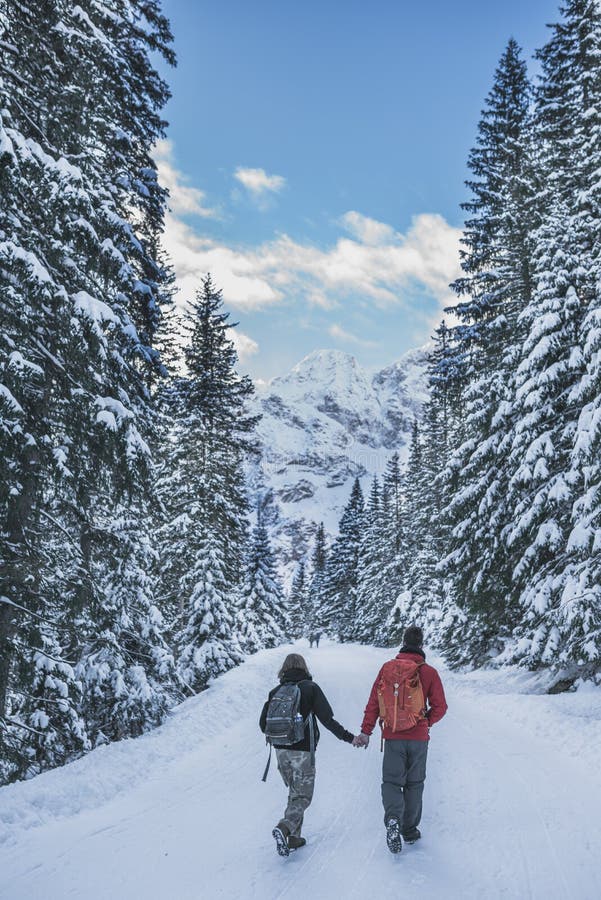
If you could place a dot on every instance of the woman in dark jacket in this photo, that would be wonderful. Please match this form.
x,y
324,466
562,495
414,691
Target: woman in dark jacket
x,y
294,762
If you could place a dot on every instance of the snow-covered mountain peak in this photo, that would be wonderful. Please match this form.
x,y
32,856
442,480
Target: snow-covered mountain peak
x,y
324,423
322,373
325,360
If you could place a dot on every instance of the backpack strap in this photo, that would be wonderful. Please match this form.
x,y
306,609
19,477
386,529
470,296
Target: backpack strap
x,y
419,665
268,763
311,723
312,738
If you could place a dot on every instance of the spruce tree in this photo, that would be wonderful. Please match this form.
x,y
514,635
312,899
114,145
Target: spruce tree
x,y
498,284
317,582
126,669
298,602
371,609
412,596
551,533
262,619
74,294
203,493
339,610
206,641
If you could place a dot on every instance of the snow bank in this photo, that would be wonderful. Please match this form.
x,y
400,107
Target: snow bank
x,y
110,769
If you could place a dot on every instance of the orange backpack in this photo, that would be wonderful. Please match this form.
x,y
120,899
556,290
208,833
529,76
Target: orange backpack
x,y
400,695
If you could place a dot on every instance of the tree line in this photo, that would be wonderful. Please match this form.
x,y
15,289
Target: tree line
x,y
128,576
500,555
129,571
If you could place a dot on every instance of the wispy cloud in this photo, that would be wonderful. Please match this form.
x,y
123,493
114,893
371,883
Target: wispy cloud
x,y
341,334
183,198
368,231
245,345
237,272
370,264
258,183
426,257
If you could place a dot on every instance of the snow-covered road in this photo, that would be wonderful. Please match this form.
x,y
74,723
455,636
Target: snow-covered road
x,y
511,807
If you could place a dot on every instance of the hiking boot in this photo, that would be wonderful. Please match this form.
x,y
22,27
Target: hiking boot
x,y
411,836
393,836
281,833
295,842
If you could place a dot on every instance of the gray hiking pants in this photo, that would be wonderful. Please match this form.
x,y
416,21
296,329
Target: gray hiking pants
x,y
403,776
299,777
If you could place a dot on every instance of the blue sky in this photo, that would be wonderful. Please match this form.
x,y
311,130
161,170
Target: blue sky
x,y
316,157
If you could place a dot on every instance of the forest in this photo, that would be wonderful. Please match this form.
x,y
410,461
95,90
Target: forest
x,y
135,561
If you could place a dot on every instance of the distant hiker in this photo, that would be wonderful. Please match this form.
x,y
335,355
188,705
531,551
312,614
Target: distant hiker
x,y
311,639
317,637
408,697
288,723
314,638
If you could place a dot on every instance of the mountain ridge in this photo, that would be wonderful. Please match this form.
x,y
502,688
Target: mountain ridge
x,y
325,422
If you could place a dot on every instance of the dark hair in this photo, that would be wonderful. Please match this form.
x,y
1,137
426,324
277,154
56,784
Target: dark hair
x,y
293,661
413,636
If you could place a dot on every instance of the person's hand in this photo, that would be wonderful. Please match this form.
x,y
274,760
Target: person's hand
x,y
361,740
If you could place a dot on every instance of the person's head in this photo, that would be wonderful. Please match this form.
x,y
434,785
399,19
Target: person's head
x,y
293,661
413,637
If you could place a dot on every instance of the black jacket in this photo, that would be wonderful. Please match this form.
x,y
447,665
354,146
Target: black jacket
x,y
314,703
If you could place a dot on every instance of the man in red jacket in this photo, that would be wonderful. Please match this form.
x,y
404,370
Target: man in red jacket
x,y
404,767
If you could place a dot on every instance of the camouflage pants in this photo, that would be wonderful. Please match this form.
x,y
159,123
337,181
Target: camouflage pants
x,y
299,777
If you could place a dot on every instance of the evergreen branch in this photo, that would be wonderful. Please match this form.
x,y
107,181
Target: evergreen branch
x,y
7,602
556,609
63,529
21,693
7,72
30,649
24,726
47,144
10,48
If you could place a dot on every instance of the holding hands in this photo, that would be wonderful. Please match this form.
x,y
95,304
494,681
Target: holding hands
x,y
361,740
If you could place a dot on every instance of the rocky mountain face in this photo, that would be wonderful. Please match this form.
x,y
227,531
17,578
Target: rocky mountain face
x,y
324,423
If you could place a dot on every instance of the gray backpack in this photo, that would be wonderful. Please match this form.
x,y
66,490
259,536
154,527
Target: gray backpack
x,y
285,725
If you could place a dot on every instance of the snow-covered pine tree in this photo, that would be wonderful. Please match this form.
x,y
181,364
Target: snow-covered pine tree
x,y
262,617
126,669
339,610
203,492
72,362
376,551
298,602
393,553
219,396
414,592
497,261
442,430
206,642
317,581
553,529
393,482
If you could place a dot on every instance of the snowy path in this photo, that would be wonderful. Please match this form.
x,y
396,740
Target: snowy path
x,y
511,807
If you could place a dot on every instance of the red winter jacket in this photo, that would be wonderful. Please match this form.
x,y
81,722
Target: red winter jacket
x,y
436,704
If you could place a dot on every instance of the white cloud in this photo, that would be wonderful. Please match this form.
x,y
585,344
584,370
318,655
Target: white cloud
x,y
245,345
372,264
426,257
235,271
183,198
368,231
341,334
258,183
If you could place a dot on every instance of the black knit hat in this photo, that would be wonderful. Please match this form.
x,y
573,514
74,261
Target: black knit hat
x,y
413,637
